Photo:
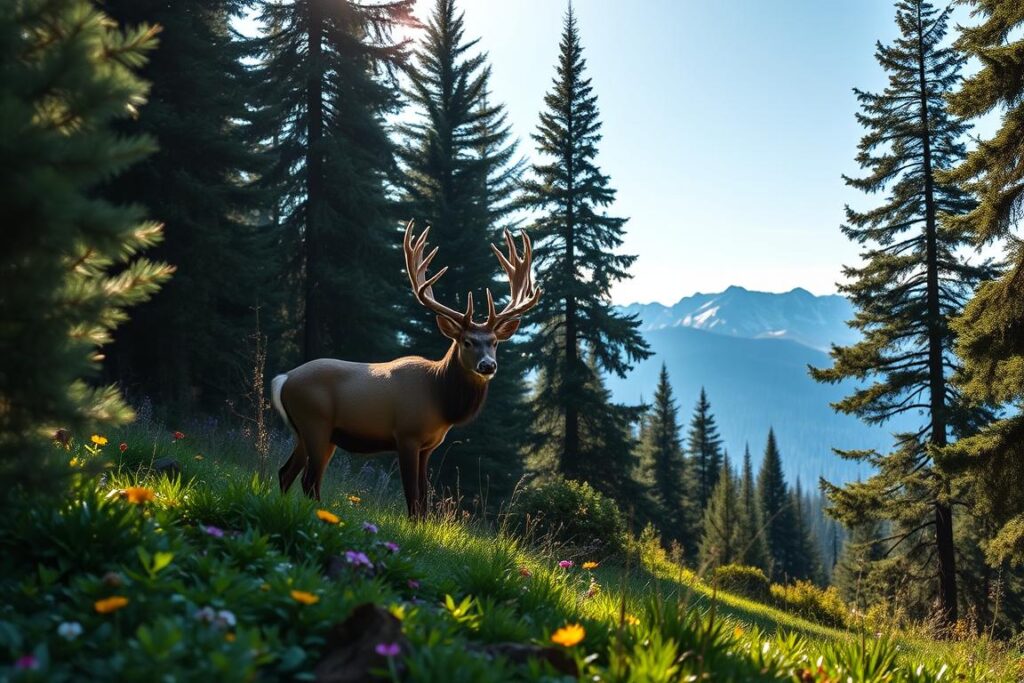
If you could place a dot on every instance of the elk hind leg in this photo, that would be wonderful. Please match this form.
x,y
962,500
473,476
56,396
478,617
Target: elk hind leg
x,y
320,451
408,467
291,468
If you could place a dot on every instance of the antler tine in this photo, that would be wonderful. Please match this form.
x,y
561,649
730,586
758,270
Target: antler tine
x,y
467,317
416,267
522,294
492,316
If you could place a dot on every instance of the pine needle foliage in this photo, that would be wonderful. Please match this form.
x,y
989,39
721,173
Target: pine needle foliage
x,y
913,279
70,267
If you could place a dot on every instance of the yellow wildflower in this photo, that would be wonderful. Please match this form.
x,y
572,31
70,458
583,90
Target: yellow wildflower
x,y
111,604
327,516
199,456
354,499
737,632
139,495
569,635
99,440
305,598
590,565
631,620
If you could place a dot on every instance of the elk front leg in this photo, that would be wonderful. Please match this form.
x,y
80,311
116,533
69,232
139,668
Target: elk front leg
x,y
424,479
408,467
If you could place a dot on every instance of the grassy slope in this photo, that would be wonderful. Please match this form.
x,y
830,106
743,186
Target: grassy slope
x,y
683,628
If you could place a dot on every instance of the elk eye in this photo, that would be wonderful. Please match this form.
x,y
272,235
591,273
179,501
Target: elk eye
x,y
465,342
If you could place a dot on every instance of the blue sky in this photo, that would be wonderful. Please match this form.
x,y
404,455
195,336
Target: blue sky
x,y
727,126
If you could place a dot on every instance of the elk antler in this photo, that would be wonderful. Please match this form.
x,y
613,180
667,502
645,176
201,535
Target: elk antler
x,y
416,266
523,294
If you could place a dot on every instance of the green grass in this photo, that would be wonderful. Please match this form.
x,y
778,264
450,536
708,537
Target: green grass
x,y
460,586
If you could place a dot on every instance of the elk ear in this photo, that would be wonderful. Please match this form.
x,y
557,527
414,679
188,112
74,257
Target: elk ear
x,y
449,328
504,330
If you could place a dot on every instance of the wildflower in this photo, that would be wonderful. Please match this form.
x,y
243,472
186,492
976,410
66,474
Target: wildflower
x,y
283,566
631,620
327,516
205,614
413,584
370,527
99,440
111,604
139,495
590,565
737,632
354,499
358,559
593,589
305,598
230,637
566,564
199,456
178,436
76,462
224,619
525,572
123,447
387,649
27,663
569,635
392,547
214,531
69,630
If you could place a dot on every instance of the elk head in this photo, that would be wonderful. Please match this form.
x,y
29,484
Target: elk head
x,y
475,343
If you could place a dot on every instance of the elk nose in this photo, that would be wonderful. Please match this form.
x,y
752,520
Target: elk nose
x,y
486,367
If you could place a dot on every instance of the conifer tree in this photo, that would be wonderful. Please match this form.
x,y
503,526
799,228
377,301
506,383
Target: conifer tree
x,y
196,184
991,329
324,92
779,519
70,265
854,575
913,279
806,559
753,552
721,540
459,176
671,481
704,448
577,265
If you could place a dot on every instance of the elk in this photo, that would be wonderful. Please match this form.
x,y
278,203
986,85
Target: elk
x,y
408,404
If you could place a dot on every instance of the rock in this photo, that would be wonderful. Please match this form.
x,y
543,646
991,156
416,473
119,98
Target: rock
x,y
168,467
350,650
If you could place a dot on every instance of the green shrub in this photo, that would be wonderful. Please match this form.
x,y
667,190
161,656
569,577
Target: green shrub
x,y
570,512
811,602
750,582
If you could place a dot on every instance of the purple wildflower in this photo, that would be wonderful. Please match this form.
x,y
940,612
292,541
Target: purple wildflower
x,y
358,559
391,546
566,564
387,649
29,662
214,531
370,527
413,584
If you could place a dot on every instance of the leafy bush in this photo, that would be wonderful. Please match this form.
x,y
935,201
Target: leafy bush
x,y
811,602
570,512
750,582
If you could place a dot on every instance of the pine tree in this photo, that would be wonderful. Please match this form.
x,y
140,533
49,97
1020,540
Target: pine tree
x,y
854,575
991,329
721,540
324,94
912,281
460,174
671,481
70,265
576,243
753,552
704,448
196,185
806,559
779,518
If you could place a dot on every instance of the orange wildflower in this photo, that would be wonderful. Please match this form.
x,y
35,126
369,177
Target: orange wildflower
x,y
354,499
305,598
139,495
111,604
569,635
590,565
328,516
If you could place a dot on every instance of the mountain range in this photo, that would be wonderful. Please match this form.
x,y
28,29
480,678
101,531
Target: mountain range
x,y
750,351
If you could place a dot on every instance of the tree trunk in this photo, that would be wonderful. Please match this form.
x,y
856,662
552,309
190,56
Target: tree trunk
x,y
571,465
314,177
945,550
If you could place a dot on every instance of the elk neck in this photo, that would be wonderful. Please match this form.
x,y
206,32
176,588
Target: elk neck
x,y
461,392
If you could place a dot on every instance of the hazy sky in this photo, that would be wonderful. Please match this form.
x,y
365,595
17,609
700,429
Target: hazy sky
x,y
727,126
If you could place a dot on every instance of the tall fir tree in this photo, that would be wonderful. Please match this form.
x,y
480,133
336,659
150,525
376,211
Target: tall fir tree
x,y
578,264
704,448
721,539
914,278
670,479
323,69
779,518
198,184
459,175
991,329
806,559
752,549
854,575
70,267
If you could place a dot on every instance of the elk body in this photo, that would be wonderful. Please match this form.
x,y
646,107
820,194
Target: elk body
x,y
408,404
